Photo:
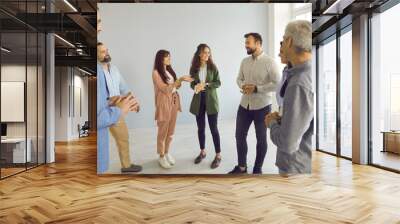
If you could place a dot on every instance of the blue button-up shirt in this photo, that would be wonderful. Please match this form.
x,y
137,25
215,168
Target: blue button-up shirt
x,y
293,135
115,81
106,116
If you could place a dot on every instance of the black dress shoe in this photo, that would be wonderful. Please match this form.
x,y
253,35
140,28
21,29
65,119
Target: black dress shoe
x,y
199,158
257,170
132,169
237,170
215,163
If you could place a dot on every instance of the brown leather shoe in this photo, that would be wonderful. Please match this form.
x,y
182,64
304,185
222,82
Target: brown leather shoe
x,y
199,158
215,163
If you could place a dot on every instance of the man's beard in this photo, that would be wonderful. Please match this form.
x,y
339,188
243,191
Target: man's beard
x,y
106,59
250,51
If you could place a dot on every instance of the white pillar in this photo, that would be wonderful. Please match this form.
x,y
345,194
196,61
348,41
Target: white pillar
x,y
360,90
50,92
50,100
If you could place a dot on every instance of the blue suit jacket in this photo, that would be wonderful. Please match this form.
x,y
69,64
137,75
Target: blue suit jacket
x,y
106,116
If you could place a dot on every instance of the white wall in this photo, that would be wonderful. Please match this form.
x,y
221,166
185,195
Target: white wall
x,y
134,33
80,83
67,81
17,73
283,13
280,25
14,73
61,104
33,126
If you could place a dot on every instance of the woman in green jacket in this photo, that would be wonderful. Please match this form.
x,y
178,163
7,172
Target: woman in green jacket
x,y
205,100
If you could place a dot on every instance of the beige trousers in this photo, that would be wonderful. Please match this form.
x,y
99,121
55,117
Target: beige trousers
x,y
165,133
120,133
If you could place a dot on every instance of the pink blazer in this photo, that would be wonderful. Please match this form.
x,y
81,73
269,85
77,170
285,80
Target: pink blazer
x,y
165,100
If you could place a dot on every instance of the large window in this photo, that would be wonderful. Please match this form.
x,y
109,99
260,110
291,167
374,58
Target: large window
x,y
334,107
327,96
346,93
385,89
22,77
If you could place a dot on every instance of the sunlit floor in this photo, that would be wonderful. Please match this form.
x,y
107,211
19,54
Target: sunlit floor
x,y
5,172
386,159
70,191
185,148
8,171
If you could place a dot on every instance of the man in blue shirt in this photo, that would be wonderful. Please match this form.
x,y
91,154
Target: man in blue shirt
x,y
292,131
108,114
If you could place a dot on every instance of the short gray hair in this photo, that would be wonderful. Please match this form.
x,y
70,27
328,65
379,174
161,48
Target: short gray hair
x,y
301,33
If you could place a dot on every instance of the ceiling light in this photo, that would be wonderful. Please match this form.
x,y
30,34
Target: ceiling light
x,y
70,5
84,71
5,50
337,7
65,41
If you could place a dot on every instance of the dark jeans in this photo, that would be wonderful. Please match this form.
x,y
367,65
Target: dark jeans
x,y
212,122
243,121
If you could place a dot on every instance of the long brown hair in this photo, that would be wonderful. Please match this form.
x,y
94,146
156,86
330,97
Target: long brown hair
x,y
195,67
159,66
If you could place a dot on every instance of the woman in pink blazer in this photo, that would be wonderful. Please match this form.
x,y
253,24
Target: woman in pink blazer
x,y
167,101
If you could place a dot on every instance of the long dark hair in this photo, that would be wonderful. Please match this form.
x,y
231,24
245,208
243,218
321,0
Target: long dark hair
x,y
159,66
195,67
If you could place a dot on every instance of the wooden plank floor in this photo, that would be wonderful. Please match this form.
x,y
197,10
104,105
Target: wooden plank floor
x,y
69,191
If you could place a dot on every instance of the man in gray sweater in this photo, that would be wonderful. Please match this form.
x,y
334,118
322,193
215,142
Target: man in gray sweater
x,y
292,128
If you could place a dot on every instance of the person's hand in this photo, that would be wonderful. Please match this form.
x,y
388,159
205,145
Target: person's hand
x,y
196,88
126,104
199,87
244,89
112,101
178,84
186,78
137,107
134,104
248,88
271,117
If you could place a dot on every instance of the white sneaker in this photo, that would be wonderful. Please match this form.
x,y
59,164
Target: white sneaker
x,y
164,163
170,159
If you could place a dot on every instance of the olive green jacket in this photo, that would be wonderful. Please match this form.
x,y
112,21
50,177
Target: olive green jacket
x,y
212,105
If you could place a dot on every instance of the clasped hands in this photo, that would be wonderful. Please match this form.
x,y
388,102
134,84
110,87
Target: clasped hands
x,y
271,117
127,103
248,89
